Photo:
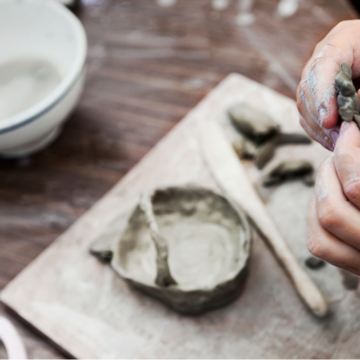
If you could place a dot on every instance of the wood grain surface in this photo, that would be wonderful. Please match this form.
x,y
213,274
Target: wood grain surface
x,y
148,65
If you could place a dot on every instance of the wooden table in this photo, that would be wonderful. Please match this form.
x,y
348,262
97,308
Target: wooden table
x,y
149,63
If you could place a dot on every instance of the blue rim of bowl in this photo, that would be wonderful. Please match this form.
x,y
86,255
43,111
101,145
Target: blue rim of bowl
x,y
65,86
44,111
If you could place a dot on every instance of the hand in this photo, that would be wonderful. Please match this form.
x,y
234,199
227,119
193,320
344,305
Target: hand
x,y
316,98
334,212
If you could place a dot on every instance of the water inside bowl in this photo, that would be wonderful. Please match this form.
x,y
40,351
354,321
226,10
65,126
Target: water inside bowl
x,y
25,82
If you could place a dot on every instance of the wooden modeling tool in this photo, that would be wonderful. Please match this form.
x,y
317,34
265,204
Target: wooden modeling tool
x,y
231,177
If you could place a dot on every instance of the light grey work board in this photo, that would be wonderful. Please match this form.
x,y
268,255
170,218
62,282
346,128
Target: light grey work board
x,y
87,310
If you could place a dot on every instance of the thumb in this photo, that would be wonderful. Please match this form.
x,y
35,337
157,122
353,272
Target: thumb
x,y
349,138
347,161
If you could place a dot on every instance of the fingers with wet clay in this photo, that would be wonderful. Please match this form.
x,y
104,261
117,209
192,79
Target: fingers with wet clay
x,y
316,98
347,162
327,138
326,246
334,212
316,95
320,76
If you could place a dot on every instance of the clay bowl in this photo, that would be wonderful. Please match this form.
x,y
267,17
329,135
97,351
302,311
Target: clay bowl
x,y
186,246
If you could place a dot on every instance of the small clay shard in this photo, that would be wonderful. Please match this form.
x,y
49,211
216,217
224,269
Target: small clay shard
x,y
288,170
102,250
266,152
309,180
245,149
314,263
357,119
348,101
186,246
253,123
350,280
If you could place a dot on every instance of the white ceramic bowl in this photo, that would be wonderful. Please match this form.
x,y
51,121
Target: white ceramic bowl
x,y
44,45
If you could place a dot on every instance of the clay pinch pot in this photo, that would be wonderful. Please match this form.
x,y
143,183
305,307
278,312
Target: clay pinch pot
x,y
186,246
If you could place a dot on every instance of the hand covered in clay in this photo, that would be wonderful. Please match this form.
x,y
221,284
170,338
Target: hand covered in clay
x,y
334,211
316,96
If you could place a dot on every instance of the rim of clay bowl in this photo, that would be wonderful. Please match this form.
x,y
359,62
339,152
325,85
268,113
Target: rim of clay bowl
x,y
54,97
244,231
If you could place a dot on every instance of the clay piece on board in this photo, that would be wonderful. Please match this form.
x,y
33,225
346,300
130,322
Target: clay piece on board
x,y
262,134
245,148
253,123
102,249
314,263
186,246
288,170
266,152
348,100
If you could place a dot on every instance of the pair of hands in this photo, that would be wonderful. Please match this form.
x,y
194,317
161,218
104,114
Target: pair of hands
x,y
334,211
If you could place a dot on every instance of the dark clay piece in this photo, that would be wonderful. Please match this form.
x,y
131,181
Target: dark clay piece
x,y
288,170
350,280
348,101
267,151
314,263
253,123
102,250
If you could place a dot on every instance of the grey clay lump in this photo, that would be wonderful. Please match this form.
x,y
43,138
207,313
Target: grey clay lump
x,y
102,249
253,123
288,170
314,263
348,101
186,246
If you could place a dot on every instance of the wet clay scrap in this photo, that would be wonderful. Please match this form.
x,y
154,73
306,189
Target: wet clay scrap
x,y
186,246
255,124
348,101
290,170
262,134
